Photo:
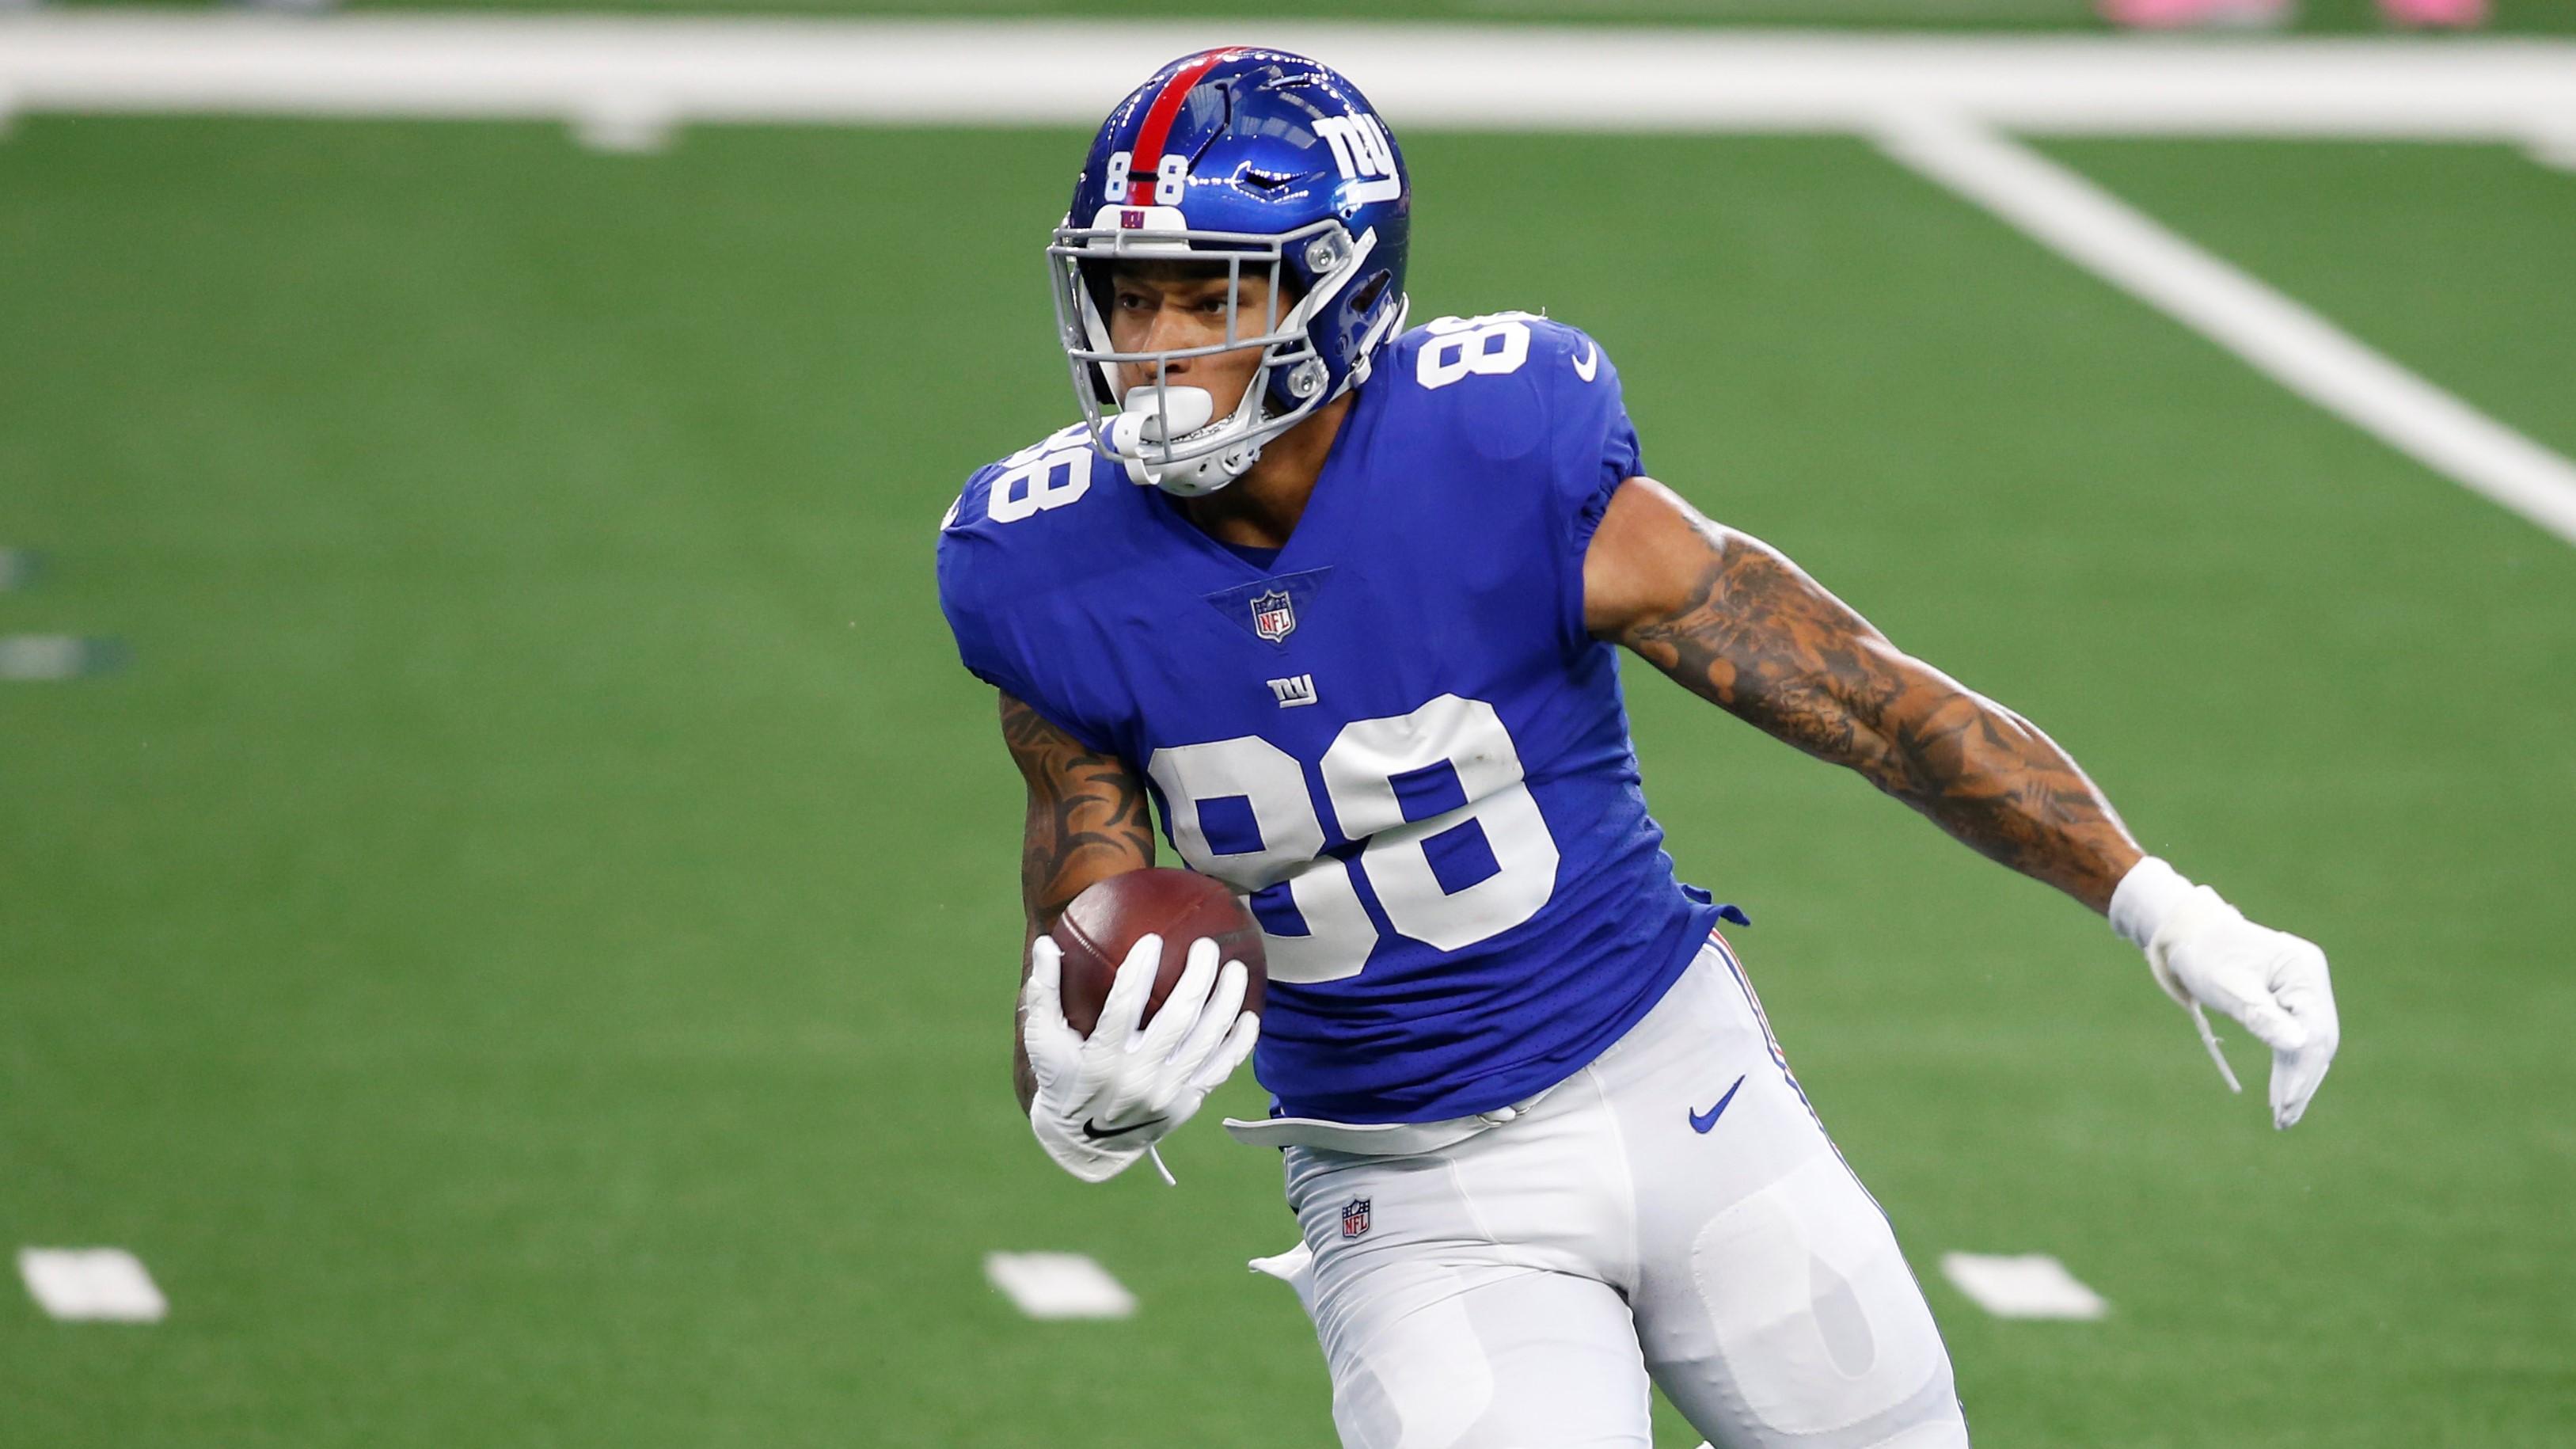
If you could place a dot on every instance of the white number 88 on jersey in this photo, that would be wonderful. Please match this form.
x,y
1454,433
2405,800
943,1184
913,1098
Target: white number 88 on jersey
x,y
1366,773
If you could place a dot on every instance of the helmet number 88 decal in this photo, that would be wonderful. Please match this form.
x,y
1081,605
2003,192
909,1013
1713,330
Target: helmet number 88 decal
x,y
1240,810
1490,345
1171,174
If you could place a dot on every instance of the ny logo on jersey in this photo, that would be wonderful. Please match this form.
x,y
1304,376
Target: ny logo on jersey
x,y
1273,618
1293,691
1355,1218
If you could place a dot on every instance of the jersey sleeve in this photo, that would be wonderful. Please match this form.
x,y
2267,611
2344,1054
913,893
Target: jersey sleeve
x,y
1592,450
966,556
978,572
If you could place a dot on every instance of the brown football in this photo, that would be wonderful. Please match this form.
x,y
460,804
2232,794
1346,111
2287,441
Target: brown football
x,y
1103,922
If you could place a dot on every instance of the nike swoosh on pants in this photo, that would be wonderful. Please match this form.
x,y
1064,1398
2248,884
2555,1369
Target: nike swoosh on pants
x,y
1701,1123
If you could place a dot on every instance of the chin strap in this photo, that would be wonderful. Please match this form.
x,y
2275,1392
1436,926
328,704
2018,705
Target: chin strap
x,y
1199,476
1166,418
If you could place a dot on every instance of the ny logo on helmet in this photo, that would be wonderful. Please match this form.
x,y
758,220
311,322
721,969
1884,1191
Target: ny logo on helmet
x,y
1273,618
1363,155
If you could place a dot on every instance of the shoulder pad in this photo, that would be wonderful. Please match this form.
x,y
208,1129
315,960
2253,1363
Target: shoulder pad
x,y
1447,350
1047,474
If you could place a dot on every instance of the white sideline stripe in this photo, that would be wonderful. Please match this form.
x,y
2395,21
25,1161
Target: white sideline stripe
x,y
1495,77
2293,345
626,83
46,656
2025,1285
91,1285
1058,1285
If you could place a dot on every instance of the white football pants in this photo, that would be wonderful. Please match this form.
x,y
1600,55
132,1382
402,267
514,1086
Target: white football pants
x,y
1517,1289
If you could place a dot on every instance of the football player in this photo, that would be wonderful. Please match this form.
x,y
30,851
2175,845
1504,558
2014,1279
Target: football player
x,y
1344,602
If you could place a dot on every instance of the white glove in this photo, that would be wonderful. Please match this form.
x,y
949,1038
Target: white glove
x,y
1104,1101
2205,953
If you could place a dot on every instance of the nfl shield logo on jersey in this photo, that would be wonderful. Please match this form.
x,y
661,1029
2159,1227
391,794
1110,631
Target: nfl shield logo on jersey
x,y
1355,1218
1273,619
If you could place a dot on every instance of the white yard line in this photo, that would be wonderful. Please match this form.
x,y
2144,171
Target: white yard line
x,y
54,656
2022,1285
91,1285
1058,1285
625,83
2294,346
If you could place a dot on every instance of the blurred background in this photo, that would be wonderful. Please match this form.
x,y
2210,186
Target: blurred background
x,y
507,899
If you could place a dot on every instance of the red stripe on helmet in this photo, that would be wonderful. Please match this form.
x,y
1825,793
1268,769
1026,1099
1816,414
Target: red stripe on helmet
x,y
1148,155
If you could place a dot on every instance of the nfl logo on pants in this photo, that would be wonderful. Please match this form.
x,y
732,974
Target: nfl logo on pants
x,y
1355,1218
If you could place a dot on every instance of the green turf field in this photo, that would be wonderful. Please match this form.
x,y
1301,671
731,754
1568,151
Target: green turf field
x,y
523,951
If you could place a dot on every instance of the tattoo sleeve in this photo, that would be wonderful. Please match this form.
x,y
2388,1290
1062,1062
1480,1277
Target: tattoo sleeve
x,y
1759,638
1088,819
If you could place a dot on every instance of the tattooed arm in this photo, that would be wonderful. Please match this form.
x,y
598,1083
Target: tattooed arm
x,y
1087,821
1744,628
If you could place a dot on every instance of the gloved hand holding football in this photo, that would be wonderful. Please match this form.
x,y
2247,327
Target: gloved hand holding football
x,y
1124,1053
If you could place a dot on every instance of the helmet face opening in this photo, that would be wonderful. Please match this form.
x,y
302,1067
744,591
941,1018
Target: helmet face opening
x,y
1245,325
1249,164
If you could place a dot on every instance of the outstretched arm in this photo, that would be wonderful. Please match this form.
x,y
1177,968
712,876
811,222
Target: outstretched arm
x,y
1087,821
1741,626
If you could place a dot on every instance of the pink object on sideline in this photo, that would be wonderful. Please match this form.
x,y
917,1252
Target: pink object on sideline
x,y
2454,14
2183,14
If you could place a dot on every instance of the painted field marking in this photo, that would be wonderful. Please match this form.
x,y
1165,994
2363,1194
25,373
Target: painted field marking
x,y
92,1285
18,568
1488,77
2279,337
2553,142
632,125
1058,1285
626,82
25,657
2024,1285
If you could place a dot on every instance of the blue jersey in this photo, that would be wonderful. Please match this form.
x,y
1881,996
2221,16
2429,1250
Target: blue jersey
x,y
1395,738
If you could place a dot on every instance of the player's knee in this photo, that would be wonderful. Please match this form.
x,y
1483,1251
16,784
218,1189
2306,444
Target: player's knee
x,y
1497,1357
1409,1369
1817,1331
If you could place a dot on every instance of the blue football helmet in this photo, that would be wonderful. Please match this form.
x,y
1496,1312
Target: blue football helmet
x,y
1269,164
